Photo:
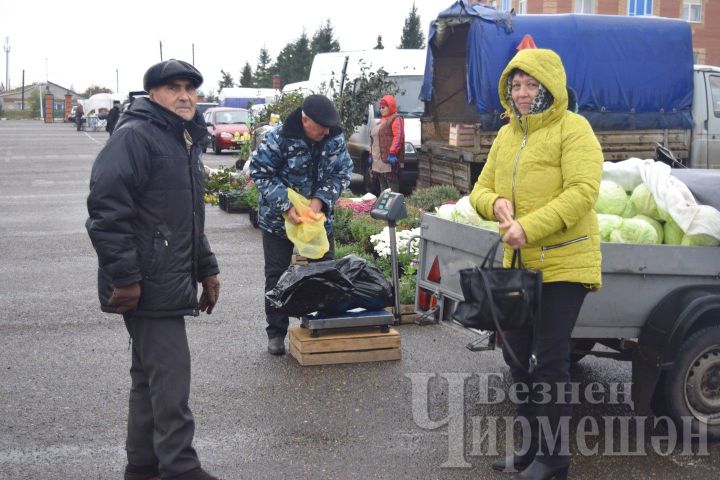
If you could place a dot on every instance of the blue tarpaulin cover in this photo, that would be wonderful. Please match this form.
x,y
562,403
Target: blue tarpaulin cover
x,y
628,72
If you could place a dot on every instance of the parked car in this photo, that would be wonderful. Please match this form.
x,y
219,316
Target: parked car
x,y
225,127
202,107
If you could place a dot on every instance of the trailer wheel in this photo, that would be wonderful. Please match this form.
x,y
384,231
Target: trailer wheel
x,y
692,385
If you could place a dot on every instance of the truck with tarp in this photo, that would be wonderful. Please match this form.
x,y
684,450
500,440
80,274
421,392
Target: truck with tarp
x,y
633,77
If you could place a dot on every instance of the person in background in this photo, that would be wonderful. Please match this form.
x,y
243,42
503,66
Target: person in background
x,y
79,112
146,222
113,117
541,181
308,154
387,145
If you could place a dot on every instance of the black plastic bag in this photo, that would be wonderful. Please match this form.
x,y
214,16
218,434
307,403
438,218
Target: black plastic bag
x,y
371,289
331,287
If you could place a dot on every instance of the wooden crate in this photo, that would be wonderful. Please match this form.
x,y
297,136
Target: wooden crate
x,y
344,346
461,135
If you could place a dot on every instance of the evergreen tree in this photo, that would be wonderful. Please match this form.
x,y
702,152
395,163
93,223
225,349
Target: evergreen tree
x,y
263,70
379,45
246,77
323,40
412,36
226,81
303,58
293,62
283,64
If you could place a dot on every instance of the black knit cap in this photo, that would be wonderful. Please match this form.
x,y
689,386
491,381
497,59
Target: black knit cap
x,y
163,72
321,111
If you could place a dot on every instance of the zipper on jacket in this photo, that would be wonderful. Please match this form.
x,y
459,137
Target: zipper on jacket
x,y
558,245
193,252
515,166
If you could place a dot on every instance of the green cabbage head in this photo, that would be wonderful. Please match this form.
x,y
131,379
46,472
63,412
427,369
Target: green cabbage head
x,y
655,224
446,211
634,230
612,198
673,234
644,202
607,224
699,240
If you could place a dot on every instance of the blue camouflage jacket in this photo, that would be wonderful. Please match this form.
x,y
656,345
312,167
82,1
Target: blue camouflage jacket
x,y
286,158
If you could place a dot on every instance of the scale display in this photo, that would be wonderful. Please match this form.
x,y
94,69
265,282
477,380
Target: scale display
x,y
390,207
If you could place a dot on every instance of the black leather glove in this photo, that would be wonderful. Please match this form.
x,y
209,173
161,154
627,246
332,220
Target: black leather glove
x,y
210,293
125,298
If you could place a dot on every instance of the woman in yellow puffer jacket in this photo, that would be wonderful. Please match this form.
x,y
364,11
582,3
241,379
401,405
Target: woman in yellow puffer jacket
x,y
541,181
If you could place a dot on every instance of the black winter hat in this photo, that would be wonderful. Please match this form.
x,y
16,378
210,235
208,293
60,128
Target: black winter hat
x,y
163,72
321,111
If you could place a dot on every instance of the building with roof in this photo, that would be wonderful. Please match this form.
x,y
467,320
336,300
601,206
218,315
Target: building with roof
x,y
18,98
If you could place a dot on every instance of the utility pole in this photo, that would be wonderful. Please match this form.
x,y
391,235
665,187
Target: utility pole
x,y
117,81
193,54
161,50
6,47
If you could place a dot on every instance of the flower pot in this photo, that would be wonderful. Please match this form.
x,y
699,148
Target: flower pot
x,y
253,215
233,202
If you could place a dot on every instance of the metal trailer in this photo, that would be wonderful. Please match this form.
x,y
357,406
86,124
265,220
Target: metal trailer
x,y
659,308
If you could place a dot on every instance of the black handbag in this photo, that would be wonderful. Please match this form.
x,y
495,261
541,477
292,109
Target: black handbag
x,y
499,299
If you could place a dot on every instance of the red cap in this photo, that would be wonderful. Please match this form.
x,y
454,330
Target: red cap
x,y
526,42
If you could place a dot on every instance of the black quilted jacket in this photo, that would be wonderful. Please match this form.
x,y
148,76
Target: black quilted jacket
x,y
147,214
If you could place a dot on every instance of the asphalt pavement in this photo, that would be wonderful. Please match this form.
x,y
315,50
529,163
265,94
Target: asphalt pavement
x,y
65,381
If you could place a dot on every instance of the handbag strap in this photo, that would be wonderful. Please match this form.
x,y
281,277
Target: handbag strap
x,y
494,316
490,256
517,256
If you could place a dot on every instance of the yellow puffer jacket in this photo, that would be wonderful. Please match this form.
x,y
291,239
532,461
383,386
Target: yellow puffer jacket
x,y
549,165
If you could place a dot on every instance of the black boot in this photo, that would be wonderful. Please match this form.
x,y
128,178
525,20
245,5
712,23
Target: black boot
x,y
539,471
196,474
144,472
513,463
276,346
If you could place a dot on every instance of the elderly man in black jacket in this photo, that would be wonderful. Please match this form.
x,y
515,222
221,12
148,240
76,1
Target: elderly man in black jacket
x,y
146,223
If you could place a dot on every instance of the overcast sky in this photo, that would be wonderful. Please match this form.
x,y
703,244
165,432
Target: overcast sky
x,y
78,43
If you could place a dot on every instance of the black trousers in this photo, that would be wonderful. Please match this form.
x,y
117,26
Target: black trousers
x,y
550,340
160,424
278,253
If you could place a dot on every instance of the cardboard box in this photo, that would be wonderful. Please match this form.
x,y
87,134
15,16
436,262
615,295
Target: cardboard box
x,y
344,346
462,135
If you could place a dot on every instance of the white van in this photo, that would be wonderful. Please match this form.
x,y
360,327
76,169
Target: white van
x,y
335,71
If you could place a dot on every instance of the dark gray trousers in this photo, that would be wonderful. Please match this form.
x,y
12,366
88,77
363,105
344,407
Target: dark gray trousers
x,y
160,423
561,303
278,253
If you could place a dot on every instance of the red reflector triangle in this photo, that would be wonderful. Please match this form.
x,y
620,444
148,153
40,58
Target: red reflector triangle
x,y
434,275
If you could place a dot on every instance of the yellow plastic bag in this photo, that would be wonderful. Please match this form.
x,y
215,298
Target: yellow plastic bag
x,y
309,236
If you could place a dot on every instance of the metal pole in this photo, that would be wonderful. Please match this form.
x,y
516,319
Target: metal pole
x,y
117,82
40,98
161,51
193,53
7,63
395,270
22,95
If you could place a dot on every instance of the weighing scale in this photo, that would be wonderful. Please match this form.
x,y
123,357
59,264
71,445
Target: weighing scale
x,y
389,207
